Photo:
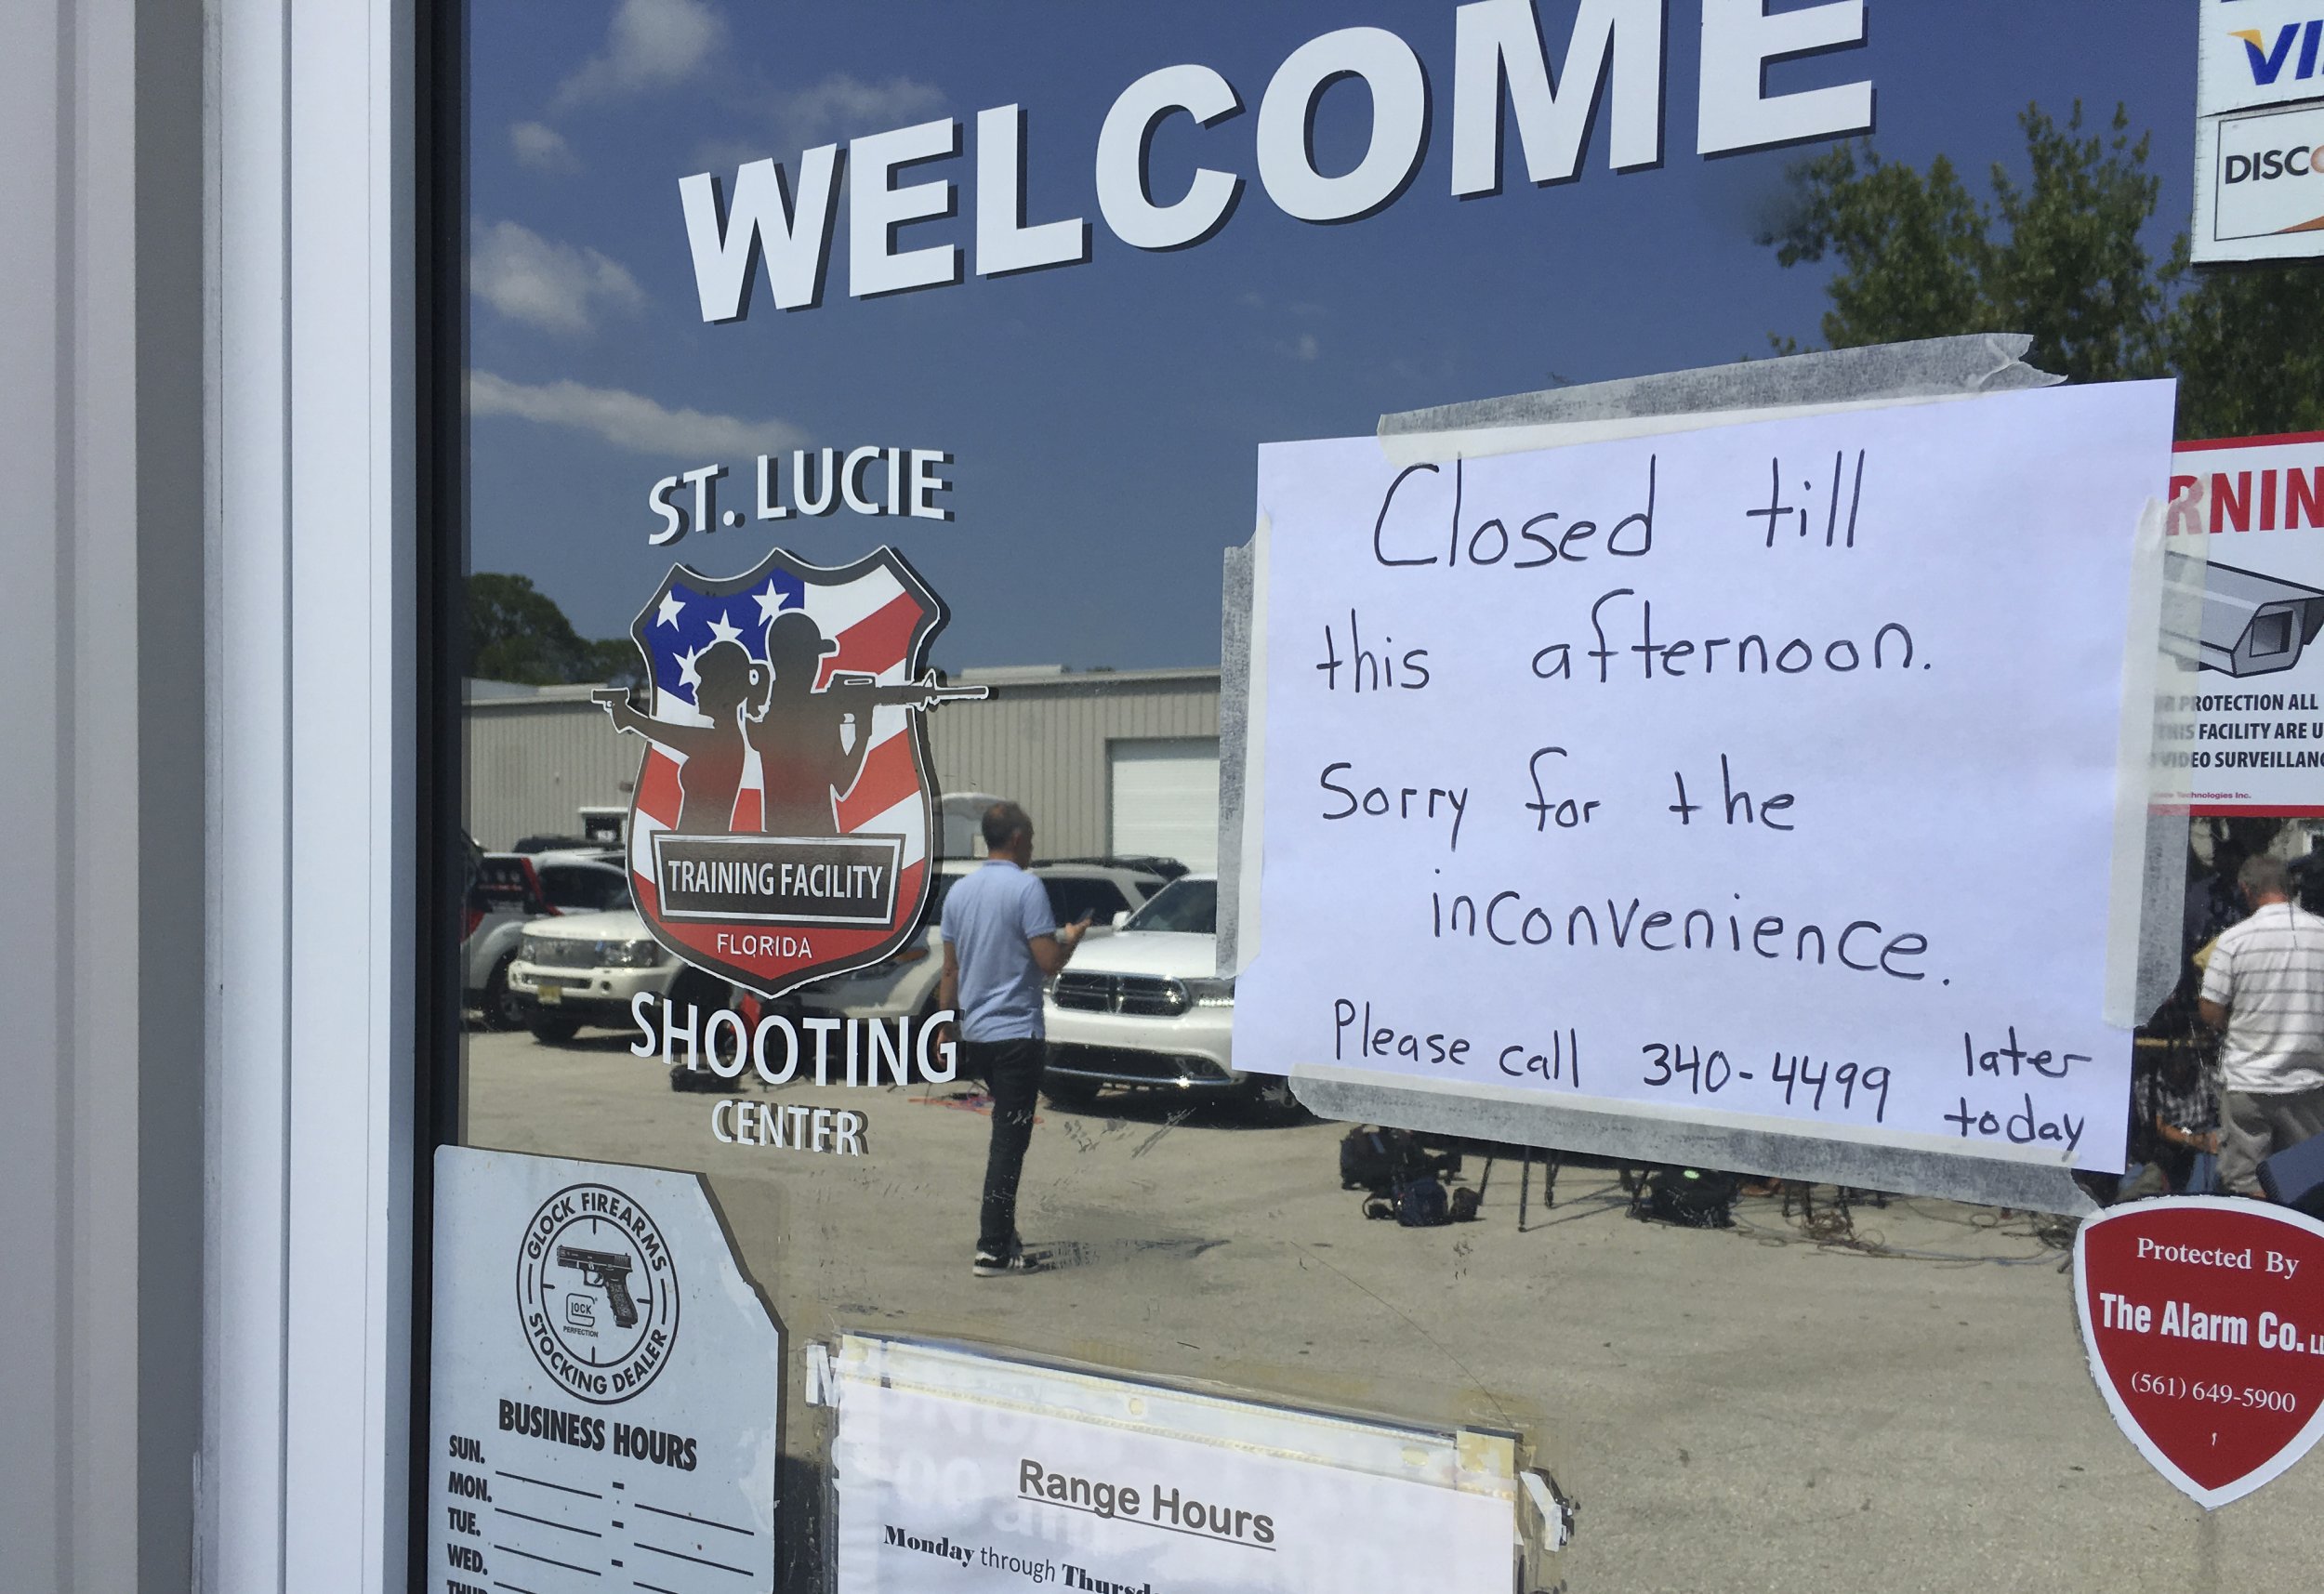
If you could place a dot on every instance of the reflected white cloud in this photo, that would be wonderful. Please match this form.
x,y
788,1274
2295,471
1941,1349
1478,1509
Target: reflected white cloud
x,y
630,421
541,147
843,107
558,288
652,44
832,111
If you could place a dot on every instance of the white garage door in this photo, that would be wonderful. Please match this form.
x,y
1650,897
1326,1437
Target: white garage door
x,y
1166,800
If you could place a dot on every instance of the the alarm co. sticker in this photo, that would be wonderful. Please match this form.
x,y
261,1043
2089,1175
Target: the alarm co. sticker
x,y
2204,1320
784,819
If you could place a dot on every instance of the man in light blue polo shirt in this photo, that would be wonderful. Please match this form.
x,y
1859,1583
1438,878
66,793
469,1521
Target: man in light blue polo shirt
x,y
1001,942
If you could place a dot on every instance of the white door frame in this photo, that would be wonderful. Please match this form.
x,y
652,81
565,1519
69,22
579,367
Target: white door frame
x,y
307,1298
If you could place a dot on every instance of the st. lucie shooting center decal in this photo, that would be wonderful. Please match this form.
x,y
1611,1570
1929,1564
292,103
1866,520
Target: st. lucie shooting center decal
x,y
784,821
2204,1321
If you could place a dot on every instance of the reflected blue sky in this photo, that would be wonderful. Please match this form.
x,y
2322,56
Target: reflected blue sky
x,y
1105,418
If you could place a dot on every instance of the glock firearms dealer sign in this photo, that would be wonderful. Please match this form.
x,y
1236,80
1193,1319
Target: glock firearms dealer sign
x,y
606,1384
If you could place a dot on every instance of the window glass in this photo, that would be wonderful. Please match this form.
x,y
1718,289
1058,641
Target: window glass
x,y
793,554
1187,907
1071,899
583,886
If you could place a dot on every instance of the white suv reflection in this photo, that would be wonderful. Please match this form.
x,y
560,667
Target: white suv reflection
x,y
583,968
1144,1006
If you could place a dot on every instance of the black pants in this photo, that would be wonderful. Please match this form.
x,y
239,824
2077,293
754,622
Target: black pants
x,y
1012,1072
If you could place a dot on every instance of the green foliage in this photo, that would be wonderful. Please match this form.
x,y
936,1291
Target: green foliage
x,y
1920,257
2243,341
517,633
1912,247
2058,255
2073,271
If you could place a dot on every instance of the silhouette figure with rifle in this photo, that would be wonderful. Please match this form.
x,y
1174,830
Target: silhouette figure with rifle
x,y
811,741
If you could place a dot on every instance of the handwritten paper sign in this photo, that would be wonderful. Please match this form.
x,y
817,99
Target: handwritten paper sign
x,y
1764,774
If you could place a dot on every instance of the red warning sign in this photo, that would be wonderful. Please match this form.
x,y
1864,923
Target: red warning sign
x,y
2204,1319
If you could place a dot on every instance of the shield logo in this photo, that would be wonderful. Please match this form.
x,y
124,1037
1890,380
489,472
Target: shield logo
x,y
783,822
2204,1321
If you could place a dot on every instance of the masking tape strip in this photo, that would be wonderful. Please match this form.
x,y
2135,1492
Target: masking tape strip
x,y
1139,1404
1237,701
1726,395
1686,1138
2147,917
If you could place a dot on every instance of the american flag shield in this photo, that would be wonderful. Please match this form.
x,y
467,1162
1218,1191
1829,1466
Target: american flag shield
x,y
784,818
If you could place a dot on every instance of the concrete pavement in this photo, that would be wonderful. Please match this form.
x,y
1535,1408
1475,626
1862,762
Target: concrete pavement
x,y
1732,1410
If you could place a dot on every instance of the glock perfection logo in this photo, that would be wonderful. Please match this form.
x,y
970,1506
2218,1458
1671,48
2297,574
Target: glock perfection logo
x,y
784,819
597,1294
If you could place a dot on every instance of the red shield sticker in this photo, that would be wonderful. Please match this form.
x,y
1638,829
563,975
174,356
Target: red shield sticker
x,y
782,828
2204,1320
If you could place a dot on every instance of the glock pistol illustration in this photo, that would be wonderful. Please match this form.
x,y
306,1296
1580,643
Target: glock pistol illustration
x,y
607,1271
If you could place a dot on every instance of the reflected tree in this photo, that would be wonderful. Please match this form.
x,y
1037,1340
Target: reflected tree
x,y
517,633
2057,252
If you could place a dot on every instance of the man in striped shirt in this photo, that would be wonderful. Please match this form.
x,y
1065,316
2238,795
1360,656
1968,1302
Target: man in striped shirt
x,y
2264,987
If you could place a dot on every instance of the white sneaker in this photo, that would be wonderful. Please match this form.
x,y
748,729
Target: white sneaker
x,y
992,1266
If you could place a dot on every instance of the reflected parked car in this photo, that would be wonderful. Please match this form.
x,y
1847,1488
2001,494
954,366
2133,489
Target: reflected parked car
x,y
529,845
1101,889
903,984
906,983
578,970
507,890
1145,1007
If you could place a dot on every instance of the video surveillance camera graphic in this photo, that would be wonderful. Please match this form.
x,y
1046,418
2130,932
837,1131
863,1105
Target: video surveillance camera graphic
x,y
2254,624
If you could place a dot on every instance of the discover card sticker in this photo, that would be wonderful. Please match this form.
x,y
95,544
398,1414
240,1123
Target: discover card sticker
x,y
606,1383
